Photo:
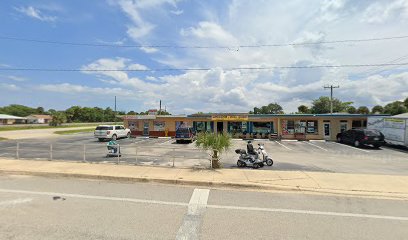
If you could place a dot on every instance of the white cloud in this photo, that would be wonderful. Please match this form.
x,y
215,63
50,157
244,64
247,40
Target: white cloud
x,y
36,13
14,78
134,9
177,12
149,49
68,88
9,87
380,12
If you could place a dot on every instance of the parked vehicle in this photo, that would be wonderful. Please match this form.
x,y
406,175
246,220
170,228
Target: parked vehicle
x,y
185,134
249,160
360,137
264,155
111,132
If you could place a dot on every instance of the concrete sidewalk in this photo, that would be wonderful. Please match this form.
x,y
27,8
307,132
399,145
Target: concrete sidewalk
x,y
395,187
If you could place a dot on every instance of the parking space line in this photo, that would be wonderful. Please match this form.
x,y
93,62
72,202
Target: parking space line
x,y
344,145
166,142
283,145
324,149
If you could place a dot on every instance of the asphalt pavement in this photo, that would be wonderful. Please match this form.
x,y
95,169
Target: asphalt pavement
x,y
319,156
49,208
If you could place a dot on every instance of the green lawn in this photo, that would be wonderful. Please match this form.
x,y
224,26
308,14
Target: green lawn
x,y
11,128
85,130
2,139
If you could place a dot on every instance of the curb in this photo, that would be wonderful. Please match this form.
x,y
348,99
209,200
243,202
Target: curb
x,y
244,186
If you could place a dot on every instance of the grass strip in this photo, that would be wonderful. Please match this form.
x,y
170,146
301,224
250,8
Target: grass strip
x,y
84,130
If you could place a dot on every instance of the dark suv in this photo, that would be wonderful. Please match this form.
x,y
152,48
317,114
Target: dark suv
x,y
185,134
359,137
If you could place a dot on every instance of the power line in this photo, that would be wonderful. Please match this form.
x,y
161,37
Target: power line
x,y
201,69
197,46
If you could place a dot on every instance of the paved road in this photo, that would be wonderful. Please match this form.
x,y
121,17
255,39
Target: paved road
x,y
46,208
288,155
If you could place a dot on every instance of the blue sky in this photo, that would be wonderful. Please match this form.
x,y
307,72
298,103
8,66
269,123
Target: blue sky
x,y
200,23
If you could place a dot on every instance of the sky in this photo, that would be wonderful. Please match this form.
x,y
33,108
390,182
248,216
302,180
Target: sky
x,y
152,35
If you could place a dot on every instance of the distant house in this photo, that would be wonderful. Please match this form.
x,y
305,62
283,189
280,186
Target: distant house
x,y
9,119
37,118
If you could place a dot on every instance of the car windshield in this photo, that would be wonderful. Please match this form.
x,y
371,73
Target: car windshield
x,y
104,128
182,130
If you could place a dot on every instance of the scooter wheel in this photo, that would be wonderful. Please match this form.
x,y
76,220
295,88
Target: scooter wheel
x,y
269,162
239,164
261,165
256,166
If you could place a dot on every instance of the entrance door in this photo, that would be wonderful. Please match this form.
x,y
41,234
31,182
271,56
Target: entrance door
x,y
220,127
327,130
146,128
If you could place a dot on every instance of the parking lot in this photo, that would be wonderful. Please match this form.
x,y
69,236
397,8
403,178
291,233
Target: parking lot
x,y
287,155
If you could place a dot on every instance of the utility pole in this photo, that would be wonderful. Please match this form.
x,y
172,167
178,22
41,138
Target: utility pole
x,y
160,108
115,109
331,96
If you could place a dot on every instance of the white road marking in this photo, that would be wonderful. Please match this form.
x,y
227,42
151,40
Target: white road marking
x,y
192,220
309,212
198,204
66,195
15,202
344,145
283,145
324,149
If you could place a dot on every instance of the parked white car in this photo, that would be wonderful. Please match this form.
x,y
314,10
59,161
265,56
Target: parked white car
x,y
113,132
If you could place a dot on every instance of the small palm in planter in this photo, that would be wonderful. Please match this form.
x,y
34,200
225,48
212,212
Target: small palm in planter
x,y
216,143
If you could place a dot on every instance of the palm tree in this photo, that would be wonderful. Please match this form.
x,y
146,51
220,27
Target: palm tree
x,y
217,143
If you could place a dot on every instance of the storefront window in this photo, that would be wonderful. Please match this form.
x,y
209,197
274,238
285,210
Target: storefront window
x,y
199,126
356,124
235,127
263,127
299,126
312,127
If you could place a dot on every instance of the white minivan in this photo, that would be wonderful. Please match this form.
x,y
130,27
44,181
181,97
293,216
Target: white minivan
x,y
113,132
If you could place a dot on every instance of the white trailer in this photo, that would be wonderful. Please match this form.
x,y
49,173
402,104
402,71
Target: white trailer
x,y
394,128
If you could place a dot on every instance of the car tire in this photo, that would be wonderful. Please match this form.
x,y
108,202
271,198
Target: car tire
x,y
100,139
377,145
357,143
128,135
177,141
114,137
339,140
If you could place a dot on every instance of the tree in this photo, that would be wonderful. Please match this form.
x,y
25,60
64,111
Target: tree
x,y
18,110
395,108
351,110
272,108
363,110
303,109
406,102
217,143
377,109
131,113
40,110
58,118
322,105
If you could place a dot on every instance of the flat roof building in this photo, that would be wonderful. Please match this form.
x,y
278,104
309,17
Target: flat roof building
x,y
248,126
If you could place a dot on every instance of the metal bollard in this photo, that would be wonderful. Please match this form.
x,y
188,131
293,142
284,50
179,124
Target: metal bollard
x,y
17,148
84,158
174,155
50,151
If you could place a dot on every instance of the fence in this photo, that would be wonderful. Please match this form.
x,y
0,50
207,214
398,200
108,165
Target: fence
x,y
96,153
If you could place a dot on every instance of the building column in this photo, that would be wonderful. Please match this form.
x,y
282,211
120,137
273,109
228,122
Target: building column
x,y
215,127
225,127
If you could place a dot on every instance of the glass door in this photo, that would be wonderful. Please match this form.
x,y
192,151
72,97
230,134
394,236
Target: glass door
x,y
327,130
146,128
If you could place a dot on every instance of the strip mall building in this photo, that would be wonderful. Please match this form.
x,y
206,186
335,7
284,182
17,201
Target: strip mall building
x,y
240,125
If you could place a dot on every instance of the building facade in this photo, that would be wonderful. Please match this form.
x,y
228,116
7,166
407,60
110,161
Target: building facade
x,y
248,126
